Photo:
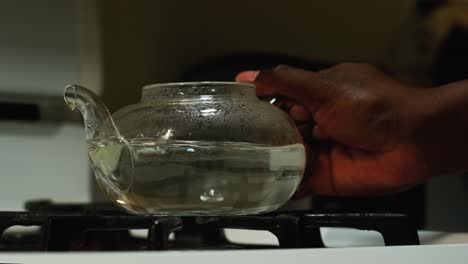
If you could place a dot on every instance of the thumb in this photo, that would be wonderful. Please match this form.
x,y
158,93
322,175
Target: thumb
x,y
305,87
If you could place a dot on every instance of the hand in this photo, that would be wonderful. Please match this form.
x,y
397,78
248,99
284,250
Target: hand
x,y
364,115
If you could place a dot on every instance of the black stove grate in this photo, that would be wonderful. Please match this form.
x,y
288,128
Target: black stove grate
x,y
84,227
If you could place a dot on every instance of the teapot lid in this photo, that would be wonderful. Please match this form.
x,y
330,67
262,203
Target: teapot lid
x,y
194,89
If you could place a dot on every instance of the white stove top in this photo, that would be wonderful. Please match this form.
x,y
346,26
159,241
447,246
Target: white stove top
x,y
361,247
452,254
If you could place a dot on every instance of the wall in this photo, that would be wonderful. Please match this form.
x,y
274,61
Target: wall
x,y
153,41
39,54
38,46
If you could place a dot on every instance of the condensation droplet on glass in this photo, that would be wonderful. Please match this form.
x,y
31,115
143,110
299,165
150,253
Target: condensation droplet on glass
x,y
120,201
90,124
211,195
168,134
160,150
190,150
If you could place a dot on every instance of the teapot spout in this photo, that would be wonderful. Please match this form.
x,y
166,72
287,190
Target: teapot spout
x,y
94,111
110,154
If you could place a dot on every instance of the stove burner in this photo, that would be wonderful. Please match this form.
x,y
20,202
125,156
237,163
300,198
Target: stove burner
x,y
83,227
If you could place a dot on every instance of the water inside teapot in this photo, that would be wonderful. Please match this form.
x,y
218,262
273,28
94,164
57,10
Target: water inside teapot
x,y
200,177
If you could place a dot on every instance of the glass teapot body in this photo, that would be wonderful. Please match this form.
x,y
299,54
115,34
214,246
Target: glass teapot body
x,y
207,148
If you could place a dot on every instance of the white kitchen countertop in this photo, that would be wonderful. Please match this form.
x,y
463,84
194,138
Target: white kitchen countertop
x,y
452,254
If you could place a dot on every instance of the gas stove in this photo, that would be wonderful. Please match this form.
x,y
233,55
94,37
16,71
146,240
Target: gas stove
x,y
103,232
104,227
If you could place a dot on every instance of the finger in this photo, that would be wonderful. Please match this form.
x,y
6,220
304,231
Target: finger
x,y
247,76
283,103
319,180
304,87
306,132
318,133
299,113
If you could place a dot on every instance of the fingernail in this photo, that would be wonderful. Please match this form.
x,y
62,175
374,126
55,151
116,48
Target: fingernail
x,y
247,76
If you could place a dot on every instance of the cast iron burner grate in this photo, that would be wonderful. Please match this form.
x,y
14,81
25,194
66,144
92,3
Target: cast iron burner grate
x,y
89,227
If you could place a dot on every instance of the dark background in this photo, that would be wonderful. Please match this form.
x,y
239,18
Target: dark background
x,y
142,42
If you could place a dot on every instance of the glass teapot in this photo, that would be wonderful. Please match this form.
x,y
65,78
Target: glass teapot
x,y
204,148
